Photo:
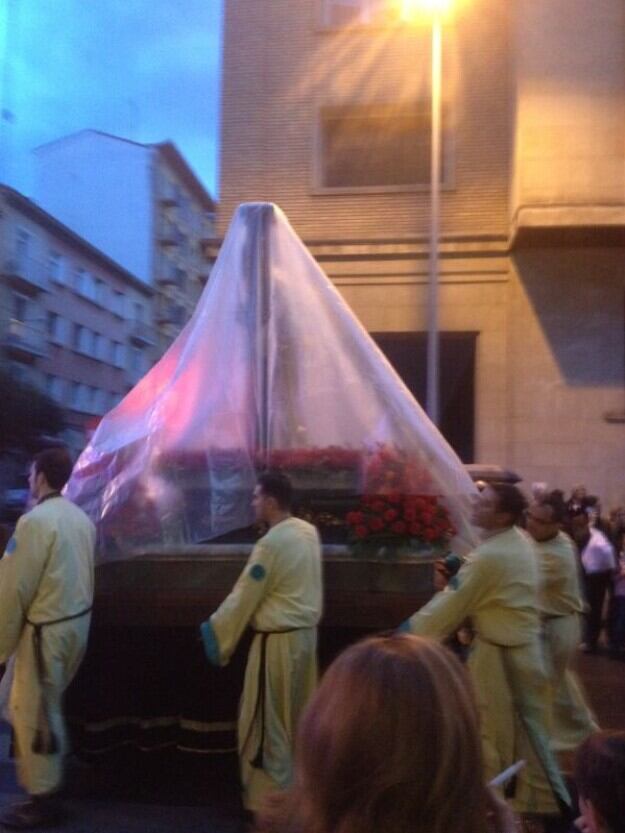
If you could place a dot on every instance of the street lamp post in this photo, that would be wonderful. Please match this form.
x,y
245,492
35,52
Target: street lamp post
x,y
433,343
433,11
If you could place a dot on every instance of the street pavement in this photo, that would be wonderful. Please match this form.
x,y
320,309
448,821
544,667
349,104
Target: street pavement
x,y
132,792
141,792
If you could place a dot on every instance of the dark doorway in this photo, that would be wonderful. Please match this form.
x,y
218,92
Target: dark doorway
x,y
407,353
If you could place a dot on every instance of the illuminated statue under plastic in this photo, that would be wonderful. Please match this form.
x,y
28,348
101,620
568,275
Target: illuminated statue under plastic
x,y
273,369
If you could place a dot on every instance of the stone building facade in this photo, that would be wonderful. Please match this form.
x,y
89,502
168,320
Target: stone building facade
x,y
325,112
73,323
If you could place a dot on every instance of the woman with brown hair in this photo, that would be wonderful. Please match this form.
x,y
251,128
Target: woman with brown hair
x,y
389,744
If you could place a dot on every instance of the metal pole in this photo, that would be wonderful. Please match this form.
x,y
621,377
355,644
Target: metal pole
x,y
432,391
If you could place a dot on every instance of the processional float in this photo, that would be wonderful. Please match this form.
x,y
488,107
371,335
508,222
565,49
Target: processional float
x,y
272,371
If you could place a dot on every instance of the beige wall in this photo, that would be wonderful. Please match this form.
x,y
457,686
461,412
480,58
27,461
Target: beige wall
x,y
570,112
566,369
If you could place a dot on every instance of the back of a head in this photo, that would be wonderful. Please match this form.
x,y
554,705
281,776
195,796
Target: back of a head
x,y
277,485
56,465
600,777
390,741
510,500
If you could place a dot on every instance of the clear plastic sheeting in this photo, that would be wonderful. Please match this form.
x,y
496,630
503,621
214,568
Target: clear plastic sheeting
x,y
273,369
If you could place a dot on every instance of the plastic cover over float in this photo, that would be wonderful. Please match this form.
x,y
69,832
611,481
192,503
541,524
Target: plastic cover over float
x,y
272,370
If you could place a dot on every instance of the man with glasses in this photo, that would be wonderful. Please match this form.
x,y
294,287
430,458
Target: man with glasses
x,y
498,588
560,605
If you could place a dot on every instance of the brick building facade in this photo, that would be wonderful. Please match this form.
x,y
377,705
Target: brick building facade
x,y
325,111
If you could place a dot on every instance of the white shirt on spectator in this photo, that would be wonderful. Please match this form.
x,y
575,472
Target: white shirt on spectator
x,y
598,554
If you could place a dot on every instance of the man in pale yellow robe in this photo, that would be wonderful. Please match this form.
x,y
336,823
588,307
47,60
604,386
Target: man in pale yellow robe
x,y
561,606
46,593
498,589
279,593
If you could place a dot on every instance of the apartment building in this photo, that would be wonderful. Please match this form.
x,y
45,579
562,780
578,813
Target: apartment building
x,y
326,111
72,321
142,205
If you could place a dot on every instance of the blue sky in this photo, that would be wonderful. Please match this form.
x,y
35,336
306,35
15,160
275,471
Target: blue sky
x,y
147,70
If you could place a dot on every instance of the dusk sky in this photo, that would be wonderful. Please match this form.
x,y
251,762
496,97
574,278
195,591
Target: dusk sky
x,y
147,70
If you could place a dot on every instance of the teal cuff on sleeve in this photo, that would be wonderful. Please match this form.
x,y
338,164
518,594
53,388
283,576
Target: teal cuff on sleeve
x,y
210,643
404,627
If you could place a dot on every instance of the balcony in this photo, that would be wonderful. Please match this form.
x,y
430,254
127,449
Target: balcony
x,y
25,274
172,275
169,234
23,341
142,334
171,314
168,198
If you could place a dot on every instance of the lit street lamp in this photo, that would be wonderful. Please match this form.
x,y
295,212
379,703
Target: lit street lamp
x,y
433,12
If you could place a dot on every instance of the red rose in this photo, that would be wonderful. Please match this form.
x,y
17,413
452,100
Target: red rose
x,y
429,534
410,513
399,527
354,518
415,528
390,515
361,531
376,524
378,506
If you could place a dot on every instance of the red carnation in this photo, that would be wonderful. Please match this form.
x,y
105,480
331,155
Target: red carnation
x,y
410,513
415,528
390,515
429,534
399,527
376,524
361,531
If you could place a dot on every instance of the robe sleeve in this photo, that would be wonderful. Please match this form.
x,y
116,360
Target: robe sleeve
x,y
222,632
21,569
447,610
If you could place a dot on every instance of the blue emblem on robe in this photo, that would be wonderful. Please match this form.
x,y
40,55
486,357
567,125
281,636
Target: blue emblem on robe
x,y
11,546
258,572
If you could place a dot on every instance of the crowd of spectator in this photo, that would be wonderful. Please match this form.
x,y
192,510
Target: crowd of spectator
x,y
600,542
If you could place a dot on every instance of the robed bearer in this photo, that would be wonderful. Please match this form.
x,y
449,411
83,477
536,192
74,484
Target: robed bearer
x,y
561,606
279,593
46,593
498,588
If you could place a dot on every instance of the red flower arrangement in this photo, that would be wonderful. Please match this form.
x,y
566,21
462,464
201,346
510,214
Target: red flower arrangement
x,y
417,520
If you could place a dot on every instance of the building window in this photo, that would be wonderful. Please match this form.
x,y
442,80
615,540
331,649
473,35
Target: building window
x,y
119,304
139,311
54,327
96,345
20,307
136,360
78,281
77,336
100,292
117,354
54,387
74,398
338,13
89,287
55,267
377,146
22,245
